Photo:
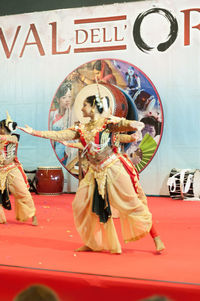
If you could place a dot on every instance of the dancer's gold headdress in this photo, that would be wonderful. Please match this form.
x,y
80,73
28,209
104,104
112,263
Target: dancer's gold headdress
x,y
102,101
8,119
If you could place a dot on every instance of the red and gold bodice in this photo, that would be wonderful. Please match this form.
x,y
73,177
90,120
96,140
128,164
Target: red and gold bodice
x,y
98,140
8,149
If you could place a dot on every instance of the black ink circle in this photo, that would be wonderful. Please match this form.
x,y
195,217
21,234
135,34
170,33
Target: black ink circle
x,y
162,46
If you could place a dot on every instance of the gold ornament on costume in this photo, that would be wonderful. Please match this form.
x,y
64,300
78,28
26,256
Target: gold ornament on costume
x,y
8,119
91,128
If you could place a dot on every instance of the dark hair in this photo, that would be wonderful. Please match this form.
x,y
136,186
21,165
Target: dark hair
x,y
151,120
92,100
2,123
10,127
37,292
101,64
97,65
63,89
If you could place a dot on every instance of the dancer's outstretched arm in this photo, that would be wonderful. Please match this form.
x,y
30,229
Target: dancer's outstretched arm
x,y
63,135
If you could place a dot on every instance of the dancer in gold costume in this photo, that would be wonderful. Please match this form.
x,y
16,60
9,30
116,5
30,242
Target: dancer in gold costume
x,y
111,180
12,176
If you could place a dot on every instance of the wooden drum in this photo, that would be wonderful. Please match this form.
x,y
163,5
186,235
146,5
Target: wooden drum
x,y
119,105
49,180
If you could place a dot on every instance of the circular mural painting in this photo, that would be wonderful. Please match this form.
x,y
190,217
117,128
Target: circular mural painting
x,y
132,95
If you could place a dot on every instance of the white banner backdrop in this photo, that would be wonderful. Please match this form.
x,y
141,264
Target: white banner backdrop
x,y
149,48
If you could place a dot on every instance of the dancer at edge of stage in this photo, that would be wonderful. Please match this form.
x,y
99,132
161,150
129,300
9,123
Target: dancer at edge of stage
x,y
110,181
12,176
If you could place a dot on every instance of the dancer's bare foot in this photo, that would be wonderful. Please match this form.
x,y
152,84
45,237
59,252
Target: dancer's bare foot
x,y
34,221
116,252
83,249
160,247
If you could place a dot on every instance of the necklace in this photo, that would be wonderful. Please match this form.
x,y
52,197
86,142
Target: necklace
x,y
91,128
93,122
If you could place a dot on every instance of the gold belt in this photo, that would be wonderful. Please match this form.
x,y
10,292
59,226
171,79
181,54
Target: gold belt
x,y
104,163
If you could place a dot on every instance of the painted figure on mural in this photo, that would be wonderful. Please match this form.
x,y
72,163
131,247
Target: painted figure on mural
x,y
110,180
133,81
101,72
61,118
152,125
12,176
143,100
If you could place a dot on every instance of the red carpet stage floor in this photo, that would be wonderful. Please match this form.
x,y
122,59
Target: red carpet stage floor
x,y
45,254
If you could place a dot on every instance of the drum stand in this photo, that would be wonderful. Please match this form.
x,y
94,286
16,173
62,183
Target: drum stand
x,y
31,180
